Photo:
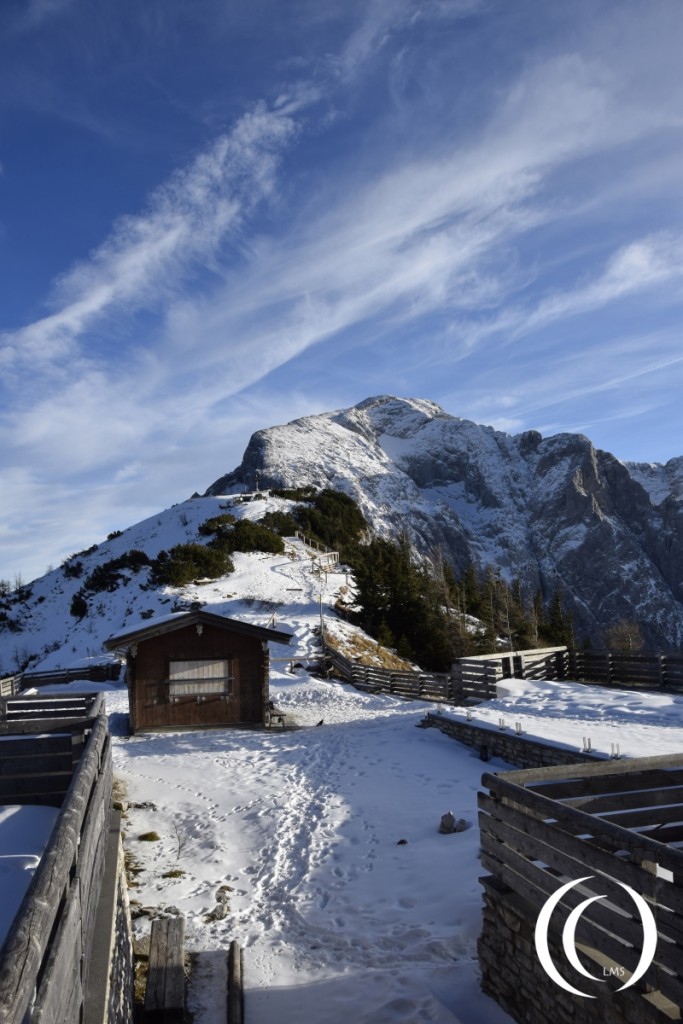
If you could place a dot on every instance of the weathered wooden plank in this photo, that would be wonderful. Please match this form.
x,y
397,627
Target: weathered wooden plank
x,y
165,993
645,816
38,715
626,801
28,937
60,994
91,852
23,746
611,782
38,700
13,790
30,931
577,821
529,776
665,833
42,726
41,764
507,841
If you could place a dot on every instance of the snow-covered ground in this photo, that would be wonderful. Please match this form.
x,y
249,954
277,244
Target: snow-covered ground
x,y
290,840
24,834
632,723
338,919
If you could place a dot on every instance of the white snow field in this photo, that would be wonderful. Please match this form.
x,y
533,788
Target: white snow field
x,y
24,834
338,921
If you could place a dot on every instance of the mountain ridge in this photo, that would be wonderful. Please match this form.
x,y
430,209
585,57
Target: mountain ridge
x,y
552,512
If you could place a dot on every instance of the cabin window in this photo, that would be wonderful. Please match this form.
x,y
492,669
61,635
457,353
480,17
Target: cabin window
x,y
199,676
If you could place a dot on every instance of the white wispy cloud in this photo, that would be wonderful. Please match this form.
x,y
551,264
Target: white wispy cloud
x,y
428,236
584,384
376,250
147,255
652,263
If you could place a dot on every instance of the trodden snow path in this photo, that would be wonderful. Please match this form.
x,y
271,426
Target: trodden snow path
x,y
338,922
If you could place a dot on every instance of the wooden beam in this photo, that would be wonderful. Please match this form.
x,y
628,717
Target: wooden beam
x,y
165,993
235,984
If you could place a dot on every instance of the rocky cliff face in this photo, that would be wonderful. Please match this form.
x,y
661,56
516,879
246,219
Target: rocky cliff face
x,y
551,511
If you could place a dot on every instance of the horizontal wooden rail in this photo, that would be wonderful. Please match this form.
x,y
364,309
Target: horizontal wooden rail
x,y
48,709
100,673
44,958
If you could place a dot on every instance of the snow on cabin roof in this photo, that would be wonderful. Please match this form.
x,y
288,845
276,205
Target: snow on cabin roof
x,y
179,620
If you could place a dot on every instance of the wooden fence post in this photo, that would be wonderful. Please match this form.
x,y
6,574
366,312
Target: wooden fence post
x,y
609,669
235,984
165,994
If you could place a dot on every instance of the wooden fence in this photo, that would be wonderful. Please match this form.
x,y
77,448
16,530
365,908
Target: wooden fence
x,y
10,685
628,669
618,822
51,712
99,673
38,769
325,557
439,687
45,959
635,670
471,680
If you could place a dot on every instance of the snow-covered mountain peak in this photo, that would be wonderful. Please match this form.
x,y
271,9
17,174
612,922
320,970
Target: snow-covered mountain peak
x,y
552,512
397,417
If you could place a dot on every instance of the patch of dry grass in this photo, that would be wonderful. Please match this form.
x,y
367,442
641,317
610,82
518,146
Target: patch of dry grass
x,y
357,646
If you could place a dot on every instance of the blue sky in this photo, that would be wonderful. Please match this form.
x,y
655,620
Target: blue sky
x,y
217,216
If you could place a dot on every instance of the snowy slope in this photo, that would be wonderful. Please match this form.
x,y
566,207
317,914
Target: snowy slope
x,y
263,589
660,481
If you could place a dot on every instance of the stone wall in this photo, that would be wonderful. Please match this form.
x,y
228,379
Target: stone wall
x,y
513,976
109,996
121,974
506,744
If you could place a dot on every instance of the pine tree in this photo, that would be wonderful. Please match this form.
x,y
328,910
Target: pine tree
x,y
559,628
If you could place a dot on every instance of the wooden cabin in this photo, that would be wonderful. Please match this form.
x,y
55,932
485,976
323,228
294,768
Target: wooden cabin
x,y
196,669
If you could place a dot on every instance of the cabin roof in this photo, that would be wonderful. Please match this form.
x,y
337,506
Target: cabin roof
x,y
179,620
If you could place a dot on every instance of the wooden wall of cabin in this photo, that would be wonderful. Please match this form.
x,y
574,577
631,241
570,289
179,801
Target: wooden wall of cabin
x,y
150,703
